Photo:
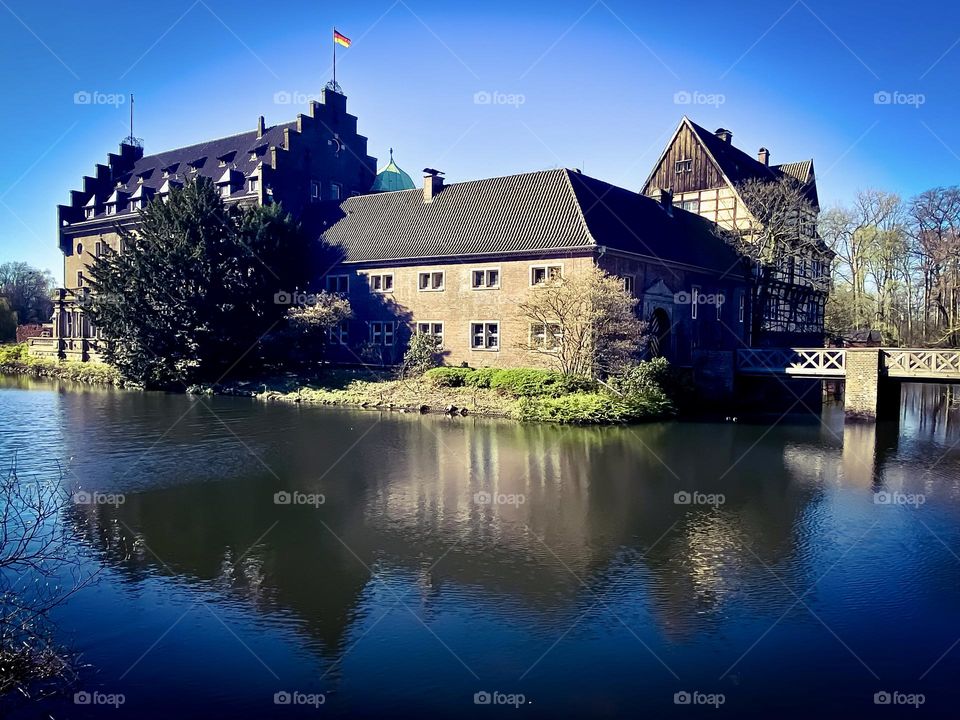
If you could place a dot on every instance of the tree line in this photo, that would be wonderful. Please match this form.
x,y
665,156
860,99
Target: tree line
x,y
897,266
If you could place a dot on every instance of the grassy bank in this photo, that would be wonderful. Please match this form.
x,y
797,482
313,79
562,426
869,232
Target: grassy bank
x,y
523,394
15,360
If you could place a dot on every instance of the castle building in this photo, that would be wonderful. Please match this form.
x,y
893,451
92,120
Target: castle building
x,y
318,157
455,260
706,174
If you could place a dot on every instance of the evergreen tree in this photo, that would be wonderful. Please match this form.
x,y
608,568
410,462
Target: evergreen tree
x,y
193,290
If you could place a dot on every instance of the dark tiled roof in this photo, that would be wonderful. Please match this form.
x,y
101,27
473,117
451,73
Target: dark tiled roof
x,y
740,167
179,160
551,209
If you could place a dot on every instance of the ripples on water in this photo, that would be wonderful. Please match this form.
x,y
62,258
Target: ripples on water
x,y
596,595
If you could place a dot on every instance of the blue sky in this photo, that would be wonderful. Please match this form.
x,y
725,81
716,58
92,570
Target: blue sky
x,y
592,84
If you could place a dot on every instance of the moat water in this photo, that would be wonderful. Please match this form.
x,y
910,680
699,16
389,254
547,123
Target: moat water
x,y
377,565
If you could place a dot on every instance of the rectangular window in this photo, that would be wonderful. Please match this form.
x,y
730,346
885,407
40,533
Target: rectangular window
x,y
90,212
335,191
542,274
382,282
314,191
627,283
254,184
684,166
742,307
430,280
545,336
342,332
485,279
112,209
381,333
225,191
690,206
98,247
338,283
485,336
694,301
431,328
80,278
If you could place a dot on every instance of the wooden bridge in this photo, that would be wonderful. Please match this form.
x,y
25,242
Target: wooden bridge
x,y
872,376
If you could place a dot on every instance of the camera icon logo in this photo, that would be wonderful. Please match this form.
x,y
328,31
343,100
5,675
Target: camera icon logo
x,y
82,698
882,97
282,98
282,698
682,498
482,698
82,97
881,498
482,97
882,698
682,97
82,498
282,298
282,498
682,698
483,498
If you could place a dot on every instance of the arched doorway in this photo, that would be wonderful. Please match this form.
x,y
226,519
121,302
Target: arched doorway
x,y
659,333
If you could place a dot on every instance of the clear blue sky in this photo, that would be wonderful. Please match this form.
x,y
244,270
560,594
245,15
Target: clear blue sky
x,y
598,82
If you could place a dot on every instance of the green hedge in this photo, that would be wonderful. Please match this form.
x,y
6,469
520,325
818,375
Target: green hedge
x,y
587,408
16,360
519,382
448,376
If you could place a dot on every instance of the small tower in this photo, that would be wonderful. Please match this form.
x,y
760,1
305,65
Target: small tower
x,y
392,178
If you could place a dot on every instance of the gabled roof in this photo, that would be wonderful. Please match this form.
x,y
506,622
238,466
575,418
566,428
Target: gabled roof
x,y
557,209
739,167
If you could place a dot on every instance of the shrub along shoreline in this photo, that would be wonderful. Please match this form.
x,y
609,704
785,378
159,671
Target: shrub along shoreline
x,y
641,394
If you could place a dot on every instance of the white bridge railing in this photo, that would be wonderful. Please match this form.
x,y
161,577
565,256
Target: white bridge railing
x,y
922,363
803,362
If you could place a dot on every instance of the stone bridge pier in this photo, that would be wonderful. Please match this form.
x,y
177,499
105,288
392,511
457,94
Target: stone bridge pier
x,y
869,394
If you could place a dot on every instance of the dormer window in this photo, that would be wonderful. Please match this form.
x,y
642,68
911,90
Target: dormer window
x,y
254,184
89,212
112,209
225,191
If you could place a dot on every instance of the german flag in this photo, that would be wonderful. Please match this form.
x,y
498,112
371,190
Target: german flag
x,y
341,39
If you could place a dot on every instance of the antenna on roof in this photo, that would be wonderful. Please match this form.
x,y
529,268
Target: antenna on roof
x,y
131,139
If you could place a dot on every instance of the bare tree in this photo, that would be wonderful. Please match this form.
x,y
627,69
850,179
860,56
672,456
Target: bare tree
x,y
38,572
585,324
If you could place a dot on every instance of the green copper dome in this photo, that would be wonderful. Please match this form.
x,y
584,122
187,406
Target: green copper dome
x,y
392,178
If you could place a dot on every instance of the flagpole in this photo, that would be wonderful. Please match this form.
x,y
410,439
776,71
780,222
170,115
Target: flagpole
x,y
334,58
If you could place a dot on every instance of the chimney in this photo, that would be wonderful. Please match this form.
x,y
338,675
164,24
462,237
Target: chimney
x,y
763,155
260,127
665,198
724,134
432,184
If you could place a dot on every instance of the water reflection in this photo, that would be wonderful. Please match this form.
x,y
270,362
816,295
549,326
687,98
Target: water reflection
x,y
597,544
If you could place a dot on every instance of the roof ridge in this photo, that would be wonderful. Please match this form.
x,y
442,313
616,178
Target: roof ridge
x,y
214,140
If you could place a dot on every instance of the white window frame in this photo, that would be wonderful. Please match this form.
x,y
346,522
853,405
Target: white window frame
x,y
386,332
378,278
694,301
315,190
253,184
486,285
539,330
683,166
694,204
486,334
336,288
342,332
90,212
112,209
225,191
743,306
546,273
430,275
629,283
429,327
